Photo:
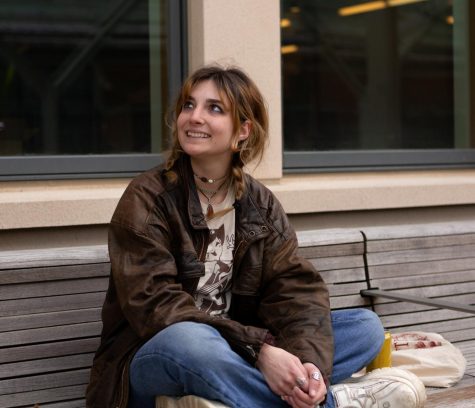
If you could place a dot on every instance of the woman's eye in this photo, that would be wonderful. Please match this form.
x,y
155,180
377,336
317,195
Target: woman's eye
x,y
188,105
216,108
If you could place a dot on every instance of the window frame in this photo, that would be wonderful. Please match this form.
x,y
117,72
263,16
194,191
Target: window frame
x,y
50,167
364,160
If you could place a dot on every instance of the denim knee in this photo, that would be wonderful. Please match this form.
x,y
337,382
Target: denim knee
x,y
371,327
364,327
184,341
373,323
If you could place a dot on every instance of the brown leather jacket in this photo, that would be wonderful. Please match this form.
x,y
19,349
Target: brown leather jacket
x,y
157,244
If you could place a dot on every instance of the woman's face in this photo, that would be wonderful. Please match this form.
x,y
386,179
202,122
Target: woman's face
x,y
205,125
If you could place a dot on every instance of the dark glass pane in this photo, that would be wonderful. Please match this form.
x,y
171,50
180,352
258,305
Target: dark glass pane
x,y
75,76
381,78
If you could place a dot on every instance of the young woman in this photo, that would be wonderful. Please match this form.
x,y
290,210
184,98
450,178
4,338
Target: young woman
x,y
207,295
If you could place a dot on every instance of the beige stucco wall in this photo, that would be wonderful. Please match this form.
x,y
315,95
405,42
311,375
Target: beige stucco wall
x,y
245,32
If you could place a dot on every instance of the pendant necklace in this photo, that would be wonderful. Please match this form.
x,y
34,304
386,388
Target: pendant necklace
x,y
208,180
209,195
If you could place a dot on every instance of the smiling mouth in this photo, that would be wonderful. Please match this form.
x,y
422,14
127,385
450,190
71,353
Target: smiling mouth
x,y
197,135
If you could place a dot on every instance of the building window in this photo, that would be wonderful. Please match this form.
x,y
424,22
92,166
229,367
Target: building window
x,y
84,85
378,83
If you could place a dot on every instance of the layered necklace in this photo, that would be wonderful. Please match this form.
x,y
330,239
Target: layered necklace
x,y
210,194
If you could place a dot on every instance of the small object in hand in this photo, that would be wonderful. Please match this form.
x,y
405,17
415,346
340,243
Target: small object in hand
x,y
300,382
316,376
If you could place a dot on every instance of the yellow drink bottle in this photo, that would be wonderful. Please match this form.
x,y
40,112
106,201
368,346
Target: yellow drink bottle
x,y
383,359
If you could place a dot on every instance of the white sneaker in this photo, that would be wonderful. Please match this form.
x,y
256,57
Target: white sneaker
x,y
382,388
189,401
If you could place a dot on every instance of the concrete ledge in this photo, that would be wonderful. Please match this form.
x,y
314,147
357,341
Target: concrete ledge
x,y
40,204
370,191
58,203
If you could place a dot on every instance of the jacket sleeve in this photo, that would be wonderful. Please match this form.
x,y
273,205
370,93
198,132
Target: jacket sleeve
x,y
145,273
295,302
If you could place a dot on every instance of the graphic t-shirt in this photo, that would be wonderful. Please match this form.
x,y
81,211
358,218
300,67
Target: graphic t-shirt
x,y
213,294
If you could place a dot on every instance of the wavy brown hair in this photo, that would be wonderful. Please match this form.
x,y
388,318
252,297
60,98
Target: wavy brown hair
x,y
245,104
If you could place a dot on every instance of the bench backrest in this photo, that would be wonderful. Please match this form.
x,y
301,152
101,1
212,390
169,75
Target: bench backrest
x,y
432,260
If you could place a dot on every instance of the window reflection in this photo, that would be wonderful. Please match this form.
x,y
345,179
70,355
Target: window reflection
x,y
75,76
361,77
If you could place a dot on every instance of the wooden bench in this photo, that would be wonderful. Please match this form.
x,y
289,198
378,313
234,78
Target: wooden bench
x,y
50,302
50,305
433,265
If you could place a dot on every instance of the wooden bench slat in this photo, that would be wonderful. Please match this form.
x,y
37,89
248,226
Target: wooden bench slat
x,y
419,242
463,397
44,381
346,288
77,403
17,307
422,280
422,268
33,258
46,365
419,230
38,289
44,350
338,263
414,255
330,236
44,274
31,336
466,326
438,315
332,250
343,275
37,320
50,395
347,302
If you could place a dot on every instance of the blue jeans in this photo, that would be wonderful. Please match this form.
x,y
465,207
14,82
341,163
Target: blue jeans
x,y
191,358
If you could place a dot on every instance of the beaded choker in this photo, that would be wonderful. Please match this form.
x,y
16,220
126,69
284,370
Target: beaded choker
x,y
208,180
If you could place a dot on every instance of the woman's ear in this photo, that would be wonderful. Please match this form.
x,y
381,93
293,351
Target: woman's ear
x,y
244,130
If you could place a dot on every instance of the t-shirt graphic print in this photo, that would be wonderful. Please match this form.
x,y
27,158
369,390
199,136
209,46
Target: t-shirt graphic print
x,y
213,294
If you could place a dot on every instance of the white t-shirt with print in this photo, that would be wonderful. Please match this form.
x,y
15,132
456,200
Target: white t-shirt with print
x,y
213,294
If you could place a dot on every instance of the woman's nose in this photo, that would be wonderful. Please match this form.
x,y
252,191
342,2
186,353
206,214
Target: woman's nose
x,y
197,115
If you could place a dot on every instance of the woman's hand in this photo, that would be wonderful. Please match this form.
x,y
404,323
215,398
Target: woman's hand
x,y
289,378
313,394
280,369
